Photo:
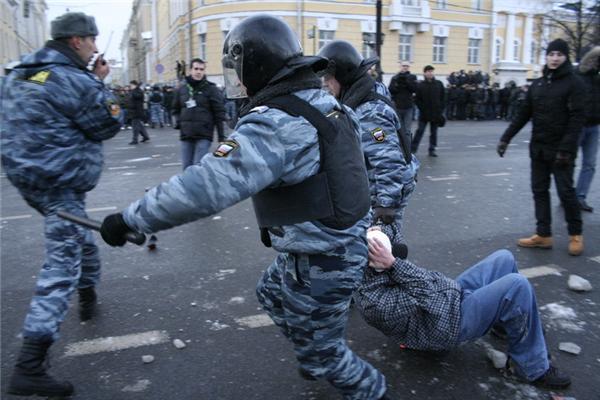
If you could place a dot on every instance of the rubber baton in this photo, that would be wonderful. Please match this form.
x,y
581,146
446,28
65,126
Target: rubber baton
x,y
133,237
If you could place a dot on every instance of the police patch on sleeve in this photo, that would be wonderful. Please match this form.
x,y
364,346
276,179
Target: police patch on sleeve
x,y
225,148
378,134
40,77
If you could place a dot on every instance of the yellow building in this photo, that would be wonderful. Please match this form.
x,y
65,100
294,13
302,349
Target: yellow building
x,y
500,37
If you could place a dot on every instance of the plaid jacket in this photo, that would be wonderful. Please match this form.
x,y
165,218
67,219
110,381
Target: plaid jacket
x,y
411,305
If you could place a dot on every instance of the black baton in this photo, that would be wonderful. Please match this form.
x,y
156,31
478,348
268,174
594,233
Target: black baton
x,y
133,237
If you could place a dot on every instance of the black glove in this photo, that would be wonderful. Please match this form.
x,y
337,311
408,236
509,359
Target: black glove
x,y
113,230
501,148
384,214
562,159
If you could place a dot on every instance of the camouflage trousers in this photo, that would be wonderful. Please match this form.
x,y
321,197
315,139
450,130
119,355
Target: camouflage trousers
x,y
308,297
72,262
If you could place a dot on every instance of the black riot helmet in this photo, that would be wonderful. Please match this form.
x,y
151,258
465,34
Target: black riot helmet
x,y
346,64
259,51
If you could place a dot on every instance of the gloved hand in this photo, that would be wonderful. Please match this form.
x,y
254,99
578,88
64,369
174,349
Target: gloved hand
x,y
562,159
501,148
383,214
113,230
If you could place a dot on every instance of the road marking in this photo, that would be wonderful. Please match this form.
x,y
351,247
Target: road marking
x,y
116,343
164,145
123,167
597,259
452,177
476,146
15,217
139,159
124,148
111,208
497,174
255,321
543,270
171,164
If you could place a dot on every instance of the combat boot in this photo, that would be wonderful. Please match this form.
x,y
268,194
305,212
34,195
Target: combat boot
x,y
87,303
575,245
542,242
30,376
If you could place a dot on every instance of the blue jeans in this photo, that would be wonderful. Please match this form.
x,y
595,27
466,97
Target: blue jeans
x,y
589,150
192,151
495,293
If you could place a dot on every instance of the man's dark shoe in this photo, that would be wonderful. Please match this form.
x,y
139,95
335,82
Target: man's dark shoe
x,y
144,140
133,142
553,379
432,153
306,375
87,303
585,206
30,377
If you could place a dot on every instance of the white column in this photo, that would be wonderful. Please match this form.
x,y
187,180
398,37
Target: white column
x,y
527,39
509,37
492,53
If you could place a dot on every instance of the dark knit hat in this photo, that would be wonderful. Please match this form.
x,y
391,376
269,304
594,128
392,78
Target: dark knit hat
x,y
558,45
73,24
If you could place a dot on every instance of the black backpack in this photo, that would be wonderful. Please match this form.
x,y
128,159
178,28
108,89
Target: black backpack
x,y
338,195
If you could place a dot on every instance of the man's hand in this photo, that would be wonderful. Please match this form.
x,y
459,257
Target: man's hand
x,y
101,68
501,148
562,159
113,230
379,256
384,214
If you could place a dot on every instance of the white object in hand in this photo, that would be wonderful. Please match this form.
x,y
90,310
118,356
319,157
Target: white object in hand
x,y
382,238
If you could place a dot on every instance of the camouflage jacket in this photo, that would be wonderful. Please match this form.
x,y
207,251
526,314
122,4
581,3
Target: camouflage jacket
x,y
55,114
268,148
388,170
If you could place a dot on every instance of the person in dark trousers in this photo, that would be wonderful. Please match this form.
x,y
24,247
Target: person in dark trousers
x,y
430,98
555,105
589,70
427,311
167,102
199,107
135,111
402,89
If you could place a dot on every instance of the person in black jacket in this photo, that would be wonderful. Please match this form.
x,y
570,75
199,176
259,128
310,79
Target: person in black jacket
x,y
430,99
589,70
555,105
199,107
135,111
402,88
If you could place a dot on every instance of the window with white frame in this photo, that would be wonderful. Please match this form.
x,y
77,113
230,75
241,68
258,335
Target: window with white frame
x,y
405,47
498,54
441,4
409,2
325,37
368,45
533,55
202,40
516,49
473,51
476,4
439,49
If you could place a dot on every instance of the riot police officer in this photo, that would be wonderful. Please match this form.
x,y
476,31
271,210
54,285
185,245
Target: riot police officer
x,y
274,156
391,170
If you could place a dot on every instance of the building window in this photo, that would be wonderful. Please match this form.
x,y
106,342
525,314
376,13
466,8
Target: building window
x,y
405,48
473,51
439,49
516,50
476,4
409,2
533,54
498,50
368,45
325,37
441,4
202,38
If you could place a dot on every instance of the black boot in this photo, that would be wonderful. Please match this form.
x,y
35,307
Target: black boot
x,y
87,303
30,377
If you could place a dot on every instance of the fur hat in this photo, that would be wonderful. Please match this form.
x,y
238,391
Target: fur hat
x,y
73,24
558,45
590,61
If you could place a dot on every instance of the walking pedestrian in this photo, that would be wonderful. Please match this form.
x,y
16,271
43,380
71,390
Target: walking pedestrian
x,y
589,70
430,98
55,115
155,101
275,157
555,105
402,89
199,108
135,111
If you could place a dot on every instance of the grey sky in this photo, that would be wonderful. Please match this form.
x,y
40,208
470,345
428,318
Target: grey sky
x,y
111,15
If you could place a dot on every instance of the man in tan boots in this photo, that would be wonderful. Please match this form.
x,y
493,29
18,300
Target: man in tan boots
x,y
555,106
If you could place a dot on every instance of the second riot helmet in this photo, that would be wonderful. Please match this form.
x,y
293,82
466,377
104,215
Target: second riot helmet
x,y
346,64
261,50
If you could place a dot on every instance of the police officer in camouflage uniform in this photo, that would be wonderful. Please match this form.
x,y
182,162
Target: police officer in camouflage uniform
x,y
307,288
391,171
55,116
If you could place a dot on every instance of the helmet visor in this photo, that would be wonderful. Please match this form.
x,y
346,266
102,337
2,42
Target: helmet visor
x,y
232,64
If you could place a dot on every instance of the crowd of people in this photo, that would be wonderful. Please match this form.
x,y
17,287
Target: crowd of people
x,y
322,167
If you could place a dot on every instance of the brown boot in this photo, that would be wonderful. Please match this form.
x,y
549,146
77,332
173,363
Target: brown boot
x,y
575,245
541,242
